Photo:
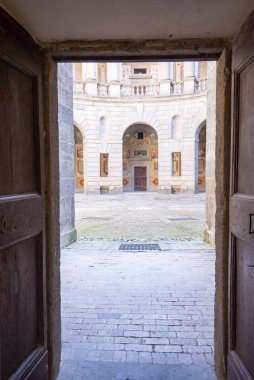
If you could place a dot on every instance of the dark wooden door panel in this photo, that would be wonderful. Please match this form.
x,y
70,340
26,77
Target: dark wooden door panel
x,y
20,216
22,307
241,255
140,180
242,217
23,353
8,331
5,133
29,296
20,142
245,172
244,328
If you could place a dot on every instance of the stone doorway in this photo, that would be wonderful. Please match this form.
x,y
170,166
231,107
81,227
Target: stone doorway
x,y
134,336
140,158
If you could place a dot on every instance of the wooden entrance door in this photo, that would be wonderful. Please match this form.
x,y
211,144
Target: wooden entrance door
x,y
23,353
241,265
140,181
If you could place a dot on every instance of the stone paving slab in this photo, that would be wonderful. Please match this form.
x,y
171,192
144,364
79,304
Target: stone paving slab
x,y
140,216
125,371
139,314
140,308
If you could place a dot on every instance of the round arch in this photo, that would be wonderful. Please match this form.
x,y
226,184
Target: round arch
x,y
141,118
140,158
200,157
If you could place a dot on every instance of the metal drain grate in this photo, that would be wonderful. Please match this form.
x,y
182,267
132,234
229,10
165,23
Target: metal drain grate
x,y
139,247
96,219
183,219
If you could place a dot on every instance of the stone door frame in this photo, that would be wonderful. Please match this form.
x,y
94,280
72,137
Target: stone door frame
x,y
140,164
189,49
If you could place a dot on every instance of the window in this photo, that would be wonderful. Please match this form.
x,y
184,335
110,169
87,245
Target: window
x,y
140,135
140,71
139,153
104,164
176,164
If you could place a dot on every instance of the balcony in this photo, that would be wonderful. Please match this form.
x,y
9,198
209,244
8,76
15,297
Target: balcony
x,y
176,88
200,85
139,91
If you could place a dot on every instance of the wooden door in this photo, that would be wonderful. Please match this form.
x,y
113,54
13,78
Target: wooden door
x,y
140,181
241,265
23,351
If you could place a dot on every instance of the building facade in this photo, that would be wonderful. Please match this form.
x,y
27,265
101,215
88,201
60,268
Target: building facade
x,y
140,126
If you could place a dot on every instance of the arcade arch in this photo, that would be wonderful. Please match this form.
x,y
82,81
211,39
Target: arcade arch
x,y
200,158
79,160
140,158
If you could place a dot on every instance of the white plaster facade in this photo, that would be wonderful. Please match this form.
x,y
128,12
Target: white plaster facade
x,y
103,112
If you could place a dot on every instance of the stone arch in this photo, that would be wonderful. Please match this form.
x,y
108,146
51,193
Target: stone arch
x,y
200,157
81,121
176,127
78,135
141,117
79,159
140,158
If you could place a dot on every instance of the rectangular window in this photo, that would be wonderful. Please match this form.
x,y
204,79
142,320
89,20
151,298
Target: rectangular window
x,y
103,164
140,153
140,71
176,164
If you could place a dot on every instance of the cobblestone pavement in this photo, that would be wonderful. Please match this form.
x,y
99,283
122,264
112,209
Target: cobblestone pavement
x,y
138,315
129,216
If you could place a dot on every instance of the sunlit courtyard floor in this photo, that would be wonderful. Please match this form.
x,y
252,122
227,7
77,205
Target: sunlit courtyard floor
x,y
138,315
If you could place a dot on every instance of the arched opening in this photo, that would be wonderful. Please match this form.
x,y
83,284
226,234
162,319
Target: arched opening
x,y
79,160
140,158
200,158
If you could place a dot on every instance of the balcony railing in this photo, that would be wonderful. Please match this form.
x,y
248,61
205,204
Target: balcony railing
x,y
177,88
200,85
139,91
144,90
102,89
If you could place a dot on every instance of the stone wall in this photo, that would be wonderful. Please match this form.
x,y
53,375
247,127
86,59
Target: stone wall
x,y
118,114
66,153
210,153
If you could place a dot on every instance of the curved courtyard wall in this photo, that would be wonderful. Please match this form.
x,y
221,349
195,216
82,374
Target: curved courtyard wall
x,y
118,114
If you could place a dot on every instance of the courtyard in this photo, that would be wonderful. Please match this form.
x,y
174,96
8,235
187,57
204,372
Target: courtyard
x,y
141,313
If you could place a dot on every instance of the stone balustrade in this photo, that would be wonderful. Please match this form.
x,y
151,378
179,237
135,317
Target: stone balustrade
x,y
102,89
177,88
139,91
143,90
200,85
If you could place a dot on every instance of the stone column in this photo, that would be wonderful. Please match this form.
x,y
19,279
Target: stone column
x,y
166,76
196,69
83,72
189,77
210,153
68,232
113,76
91,77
